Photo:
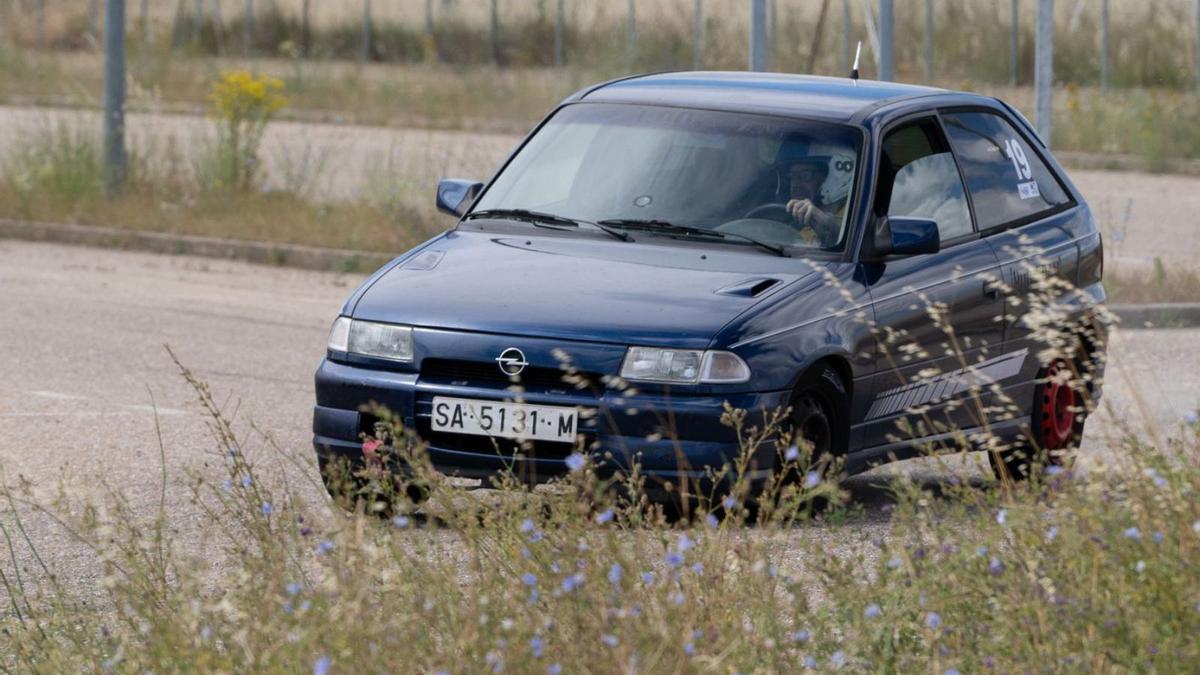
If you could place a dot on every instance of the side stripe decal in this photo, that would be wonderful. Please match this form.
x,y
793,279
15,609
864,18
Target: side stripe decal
x,y
946,385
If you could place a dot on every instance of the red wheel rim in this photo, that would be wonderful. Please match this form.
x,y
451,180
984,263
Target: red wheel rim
x,y
1058,407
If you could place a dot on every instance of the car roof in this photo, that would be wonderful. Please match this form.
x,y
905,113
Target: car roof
x,y
838,99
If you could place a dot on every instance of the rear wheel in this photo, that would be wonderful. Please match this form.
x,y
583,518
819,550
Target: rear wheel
x,y
1056,423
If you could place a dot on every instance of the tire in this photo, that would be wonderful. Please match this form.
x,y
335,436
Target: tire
x,y
1060,405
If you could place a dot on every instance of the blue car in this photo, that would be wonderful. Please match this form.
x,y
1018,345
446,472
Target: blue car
x,y
896,268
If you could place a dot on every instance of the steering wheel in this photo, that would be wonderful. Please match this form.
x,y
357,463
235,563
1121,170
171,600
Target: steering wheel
x,y
773,211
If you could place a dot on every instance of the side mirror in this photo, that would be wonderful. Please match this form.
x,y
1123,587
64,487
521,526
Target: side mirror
x,y
896,235
455,196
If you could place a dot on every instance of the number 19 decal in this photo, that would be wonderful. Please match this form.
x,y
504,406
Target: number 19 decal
x,y
1026,188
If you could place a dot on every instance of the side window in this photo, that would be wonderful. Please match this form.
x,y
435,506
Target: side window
x,y
919,179
1007,179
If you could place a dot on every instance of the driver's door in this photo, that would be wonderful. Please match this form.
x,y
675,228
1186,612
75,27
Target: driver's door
x,y
937,314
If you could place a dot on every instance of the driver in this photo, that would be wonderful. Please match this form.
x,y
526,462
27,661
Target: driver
x,y
818,189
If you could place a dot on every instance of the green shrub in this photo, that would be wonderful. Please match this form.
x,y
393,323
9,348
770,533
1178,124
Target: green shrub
x,y
62,161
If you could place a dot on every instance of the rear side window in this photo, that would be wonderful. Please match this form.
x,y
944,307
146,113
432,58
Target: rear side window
x,y
1006,178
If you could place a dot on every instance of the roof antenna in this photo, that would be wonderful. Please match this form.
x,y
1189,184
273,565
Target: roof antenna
x,y
857,54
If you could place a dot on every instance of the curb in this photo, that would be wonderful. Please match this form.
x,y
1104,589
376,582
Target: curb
x,y
286,255
1133,317
1158,315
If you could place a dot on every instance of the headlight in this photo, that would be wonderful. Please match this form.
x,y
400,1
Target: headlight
x,y
683,366
380,340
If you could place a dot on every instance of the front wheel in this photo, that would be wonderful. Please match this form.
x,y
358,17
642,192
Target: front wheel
x,y
1056,424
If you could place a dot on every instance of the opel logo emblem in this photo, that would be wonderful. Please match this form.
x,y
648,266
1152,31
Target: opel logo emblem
x,y
512,361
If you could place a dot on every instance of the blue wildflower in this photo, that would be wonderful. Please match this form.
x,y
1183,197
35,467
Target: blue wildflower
x,y
792,454
684,542
247,481
526,553
536,537
951,671
287,606
324,547
1192,417
647,578
995,566
981,551
614,574
711,521
812,479
267,509
872,611
810,662
933,620
1158,537
838,659
698,568
294,588
1002,516
689,649
1054,470
894,562
1133,533
800,636
729,503
400,522
610,639
674,559
304,605
554,669
321,667
676,598
605,516
572,582
227,485
529,579
527,525
1051,533
534,596
535,646
575,461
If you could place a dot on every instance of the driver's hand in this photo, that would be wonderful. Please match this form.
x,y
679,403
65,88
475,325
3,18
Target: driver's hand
x,y
807,213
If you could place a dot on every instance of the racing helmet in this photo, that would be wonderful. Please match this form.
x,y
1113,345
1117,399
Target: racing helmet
x,y
840,175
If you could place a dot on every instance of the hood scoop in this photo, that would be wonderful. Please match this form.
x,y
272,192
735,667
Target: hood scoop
x,y
750,288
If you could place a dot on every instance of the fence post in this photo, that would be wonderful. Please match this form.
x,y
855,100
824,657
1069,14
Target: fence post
x,y
1043,74
248,27
758,35
1104,44
197,20
494,32
887,63
698,35
631,35
1196,24
366,32
846,29
560,48
815,46
929,41
114,96
1012,46
304,29
41,24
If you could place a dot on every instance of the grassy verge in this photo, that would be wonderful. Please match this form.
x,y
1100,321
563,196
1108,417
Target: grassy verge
x,y
1071,572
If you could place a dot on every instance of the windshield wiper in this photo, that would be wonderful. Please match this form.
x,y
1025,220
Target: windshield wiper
x,y
671,229
543,219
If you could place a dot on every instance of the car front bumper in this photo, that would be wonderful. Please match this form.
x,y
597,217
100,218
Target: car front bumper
x,y
672,437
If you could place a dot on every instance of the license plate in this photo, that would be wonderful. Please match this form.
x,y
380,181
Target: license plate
x,y
519,421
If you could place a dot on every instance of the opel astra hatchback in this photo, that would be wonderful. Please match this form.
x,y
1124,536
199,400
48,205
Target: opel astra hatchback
x,y
897,268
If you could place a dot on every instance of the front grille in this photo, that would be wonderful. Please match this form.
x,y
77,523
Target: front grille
x,y
487,374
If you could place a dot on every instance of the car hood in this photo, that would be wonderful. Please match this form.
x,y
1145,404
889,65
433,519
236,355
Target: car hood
x,y
576,287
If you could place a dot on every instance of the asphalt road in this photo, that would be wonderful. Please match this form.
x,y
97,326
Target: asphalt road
x,y
82,362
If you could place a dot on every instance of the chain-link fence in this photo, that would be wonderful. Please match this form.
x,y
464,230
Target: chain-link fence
x,y
1151,43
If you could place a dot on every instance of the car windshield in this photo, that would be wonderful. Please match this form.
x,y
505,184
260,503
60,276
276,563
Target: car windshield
x,y
771,179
